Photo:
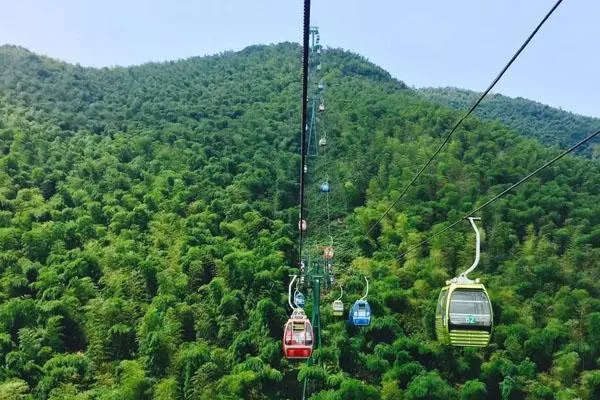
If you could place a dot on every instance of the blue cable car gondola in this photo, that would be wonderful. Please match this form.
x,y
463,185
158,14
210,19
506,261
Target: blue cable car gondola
x,y
325,187
360,313
299,299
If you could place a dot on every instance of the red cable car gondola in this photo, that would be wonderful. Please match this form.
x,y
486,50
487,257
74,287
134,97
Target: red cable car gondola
x,y
298,336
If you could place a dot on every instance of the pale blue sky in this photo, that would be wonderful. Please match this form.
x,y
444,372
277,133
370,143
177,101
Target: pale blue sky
x,y
461,43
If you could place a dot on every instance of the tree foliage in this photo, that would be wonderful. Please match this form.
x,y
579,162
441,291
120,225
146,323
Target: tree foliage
x,y
148,227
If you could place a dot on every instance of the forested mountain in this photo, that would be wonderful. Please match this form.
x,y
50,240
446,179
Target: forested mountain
x,y
549,125
148,225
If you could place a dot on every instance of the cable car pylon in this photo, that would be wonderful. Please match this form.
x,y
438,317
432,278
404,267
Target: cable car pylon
x,y
317,96
316,275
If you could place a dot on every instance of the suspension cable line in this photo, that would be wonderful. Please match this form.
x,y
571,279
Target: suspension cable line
x,y
501,194
329,217
465,115
304,112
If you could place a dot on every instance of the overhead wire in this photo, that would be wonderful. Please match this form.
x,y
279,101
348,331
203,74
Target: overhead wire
x,y
465,115
501,194
327,160
306,32
328,214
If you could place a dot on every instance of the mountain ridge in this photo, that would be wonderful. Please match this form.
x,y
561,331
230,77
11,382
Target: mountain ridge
x,y
550,125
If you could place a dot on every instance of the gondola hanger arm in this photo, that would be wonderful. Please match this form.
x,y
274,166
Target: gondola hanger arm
x,y
290,292
463,276
367,292
341,292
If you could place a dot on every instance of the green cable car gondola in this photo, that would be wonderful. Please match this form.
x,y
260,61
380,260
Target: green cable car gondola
x,y
463,316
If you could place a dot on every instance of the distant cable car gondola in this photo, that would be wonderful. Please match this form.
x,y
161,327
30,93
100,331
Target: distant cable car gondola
x,y
323,141
325,187
319,67
330,269
328,253
463,316
360,313
298,336
321,107
299,299
337,306
302,225
321,85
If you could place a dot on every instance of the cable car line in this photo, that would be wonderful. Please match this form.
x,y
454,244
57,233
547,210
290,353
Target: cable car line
x,y
304,112
329,216
493,199
465,115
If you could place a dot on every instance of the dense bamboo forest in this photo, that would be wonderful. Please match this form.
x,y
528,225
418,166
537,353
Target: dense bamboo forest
x,y
148,225
550,126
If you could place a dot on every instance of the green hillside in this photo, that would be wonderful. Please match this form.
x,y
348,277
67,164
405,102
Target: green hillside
x,y
549,125
148,227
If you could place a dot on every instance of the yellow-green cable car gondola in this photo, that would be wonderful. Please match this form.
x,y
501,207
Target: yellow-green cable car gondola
x,y
463,316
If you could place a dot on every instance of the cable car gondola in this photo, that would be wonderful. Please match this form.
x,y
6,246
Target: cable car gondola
x,y
323,141
321,85
337,306
302,225
360,313
298,332
298,336
299,299
321,107
328,254
463,315
325,188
